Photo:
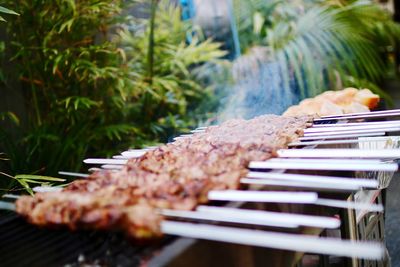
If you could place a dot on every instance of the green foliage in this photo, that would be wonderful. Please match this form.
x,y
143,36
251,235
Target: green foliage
x,y
88,89
321,43
7,11
26,181
167,77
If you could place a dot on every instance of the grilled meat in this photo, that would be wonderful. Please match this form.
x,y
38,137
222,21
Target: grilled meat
x,y
178,175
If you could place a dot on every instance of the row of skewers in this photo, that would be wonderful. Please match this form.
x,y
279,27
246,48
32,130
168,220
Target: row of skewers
x,y
328,130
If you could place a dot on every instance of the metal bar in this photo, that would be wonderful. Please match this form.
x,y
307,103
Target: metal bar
x,y
230,218
314,126
293,242
74,174
333,161
180,137
301,184
105,161
339,142
44,189
112,167
354,117
134,154
342,136
382,127
7,206
363,113
340,153
278,217
323,166
120,157
289,197
350,205
341,132
259,196
356,182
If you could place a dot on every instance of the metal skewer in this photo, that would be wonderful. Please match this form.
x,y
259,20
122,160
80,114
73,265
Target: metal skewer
x,y
356,183
322,164
338,142
381,127
266,220
312,244
342,136
289,218
362,116
333,160
289,197
7,206
363,113
259,196
347,124
349,132
105,161
74,174
301,185
44,189
340,153
254,217
133,154
112,167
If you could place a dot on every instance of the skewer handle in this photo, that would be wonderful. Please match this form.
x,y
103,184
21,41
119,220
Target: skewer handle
x,y
317,179
322,165
259,196
380,112
347,124
105,161
340,153
357,117
351,132
293,242
341,136
290,218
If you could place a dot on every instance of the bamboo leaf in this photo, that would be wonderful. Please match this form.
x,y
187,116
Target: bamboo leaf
x,y
38,178
8,11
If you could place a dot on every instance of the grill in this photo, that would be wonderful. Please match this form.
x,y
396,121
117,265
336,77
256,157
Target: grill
x,y
22,244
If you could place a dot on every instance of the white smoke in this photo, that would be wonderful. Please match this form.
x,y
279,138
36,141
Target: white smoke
x,y
258,88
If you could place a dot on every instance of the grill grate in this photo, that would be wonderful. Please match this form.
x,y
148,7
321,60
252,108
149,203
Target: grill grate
x,y
22,244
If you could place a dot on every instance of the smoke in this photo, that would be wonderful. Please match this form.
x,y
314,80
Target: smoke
x,y
258,88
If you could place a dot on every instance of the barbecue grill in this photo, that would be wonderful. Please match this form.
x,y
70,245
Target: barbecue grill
x,y
291,201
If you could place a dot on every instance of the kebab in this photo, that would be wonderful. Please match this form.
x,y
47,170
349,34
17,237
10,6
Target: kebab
x,y
176,176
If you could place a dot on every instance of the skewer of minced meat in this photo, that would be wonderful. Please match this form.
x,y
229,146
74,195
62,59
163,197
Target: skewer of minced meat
x,y
178,175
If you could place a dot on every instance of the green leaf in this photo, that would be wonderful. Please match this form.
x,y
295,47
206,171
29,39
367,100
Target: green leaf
x,y
11,116
38,178
26,186
8,11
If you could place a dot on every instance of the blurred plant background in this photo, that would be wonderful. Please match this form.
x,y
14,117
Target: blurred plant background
x,y
300,48
321,44
97,81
